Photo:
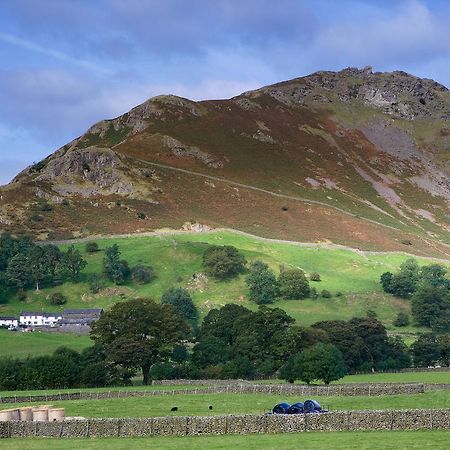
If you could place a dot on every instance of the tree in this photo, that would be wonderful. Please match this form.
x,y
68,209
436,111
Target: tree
x,y
293,284
115,269
138,333
39,266
429,303
386,280
223,262
18,272
319,362
142,274
262,283
426,350
182,301
72,263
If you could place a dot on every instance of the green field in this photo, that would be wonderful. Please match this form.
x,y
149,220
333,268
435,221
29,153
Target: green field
x,y
198,404
389,440
176,258
397,377
21,345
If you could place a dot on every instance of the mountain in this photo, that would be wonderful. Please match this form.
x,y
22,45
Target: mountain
x,y
352,157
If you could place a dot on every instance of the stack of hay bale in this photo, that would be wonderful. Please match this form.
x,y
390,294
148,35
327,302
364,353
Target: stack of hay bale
x,y
44,413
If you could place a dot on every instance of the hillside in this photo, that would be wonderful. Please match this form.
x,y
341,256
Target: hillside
x,y
352,157
352,277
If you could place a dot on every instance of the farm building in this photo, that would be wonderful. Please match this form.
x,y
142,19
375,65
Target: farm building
x,y
78,320
39,319
8,321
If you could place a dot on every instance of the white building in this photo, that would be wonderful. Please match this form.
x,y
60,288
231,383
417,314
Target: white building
x,y
8,322
39,319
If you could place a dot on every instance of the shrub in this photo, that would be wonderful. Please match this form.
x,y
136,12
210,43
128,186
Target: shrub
x,y
313,293
314,276
338,294
36,218
141,215
223,261
325,294
96,285
402,319
57,298
142,274
22,295
92,247
65,202
46,207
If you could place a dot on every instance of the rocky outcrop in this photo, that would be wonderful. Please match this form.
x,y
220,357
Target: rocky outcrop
x,y
395,93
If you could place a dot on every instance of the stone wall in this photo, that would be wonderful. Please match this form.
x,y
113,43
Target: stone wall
x,y
280,389
420,419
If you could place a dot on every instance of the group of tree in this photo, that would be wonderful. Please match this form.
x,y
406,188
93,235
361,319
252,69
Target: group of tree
x,y
236,342
25,264
118,271
65,368
265,287
224,262
429,291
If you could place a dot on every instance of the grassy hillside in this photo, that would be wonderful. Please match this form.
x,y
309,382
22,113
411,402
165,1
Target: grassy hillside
x,y
176,258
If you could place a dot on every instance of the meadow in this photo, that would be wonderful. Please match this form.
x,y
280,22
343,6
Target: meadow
x,y
351,276
388,440
243,403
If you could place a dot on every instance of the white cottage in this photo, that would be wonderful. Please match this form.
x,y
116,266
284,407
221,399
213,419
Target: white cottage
x,y
39,319
9,321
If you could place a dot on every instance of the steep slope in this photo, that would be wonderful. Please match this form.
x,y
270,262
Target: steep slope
x,y
355,157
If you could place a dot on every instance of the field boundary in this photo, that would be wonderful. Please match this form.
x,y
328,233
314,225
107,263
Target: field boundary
x,y
398,420
342,390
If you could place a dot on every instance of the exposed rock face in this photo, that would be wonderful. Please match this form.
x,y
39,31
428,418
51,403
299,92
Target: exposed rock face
x,y
396,93
89,171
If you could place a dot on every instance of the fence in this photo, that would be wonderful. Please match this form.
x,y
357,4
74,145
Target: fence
x,y
280,389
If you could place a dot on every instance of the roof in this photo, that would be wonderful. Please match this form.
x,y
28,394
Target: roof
x,y
8,318
40,313
83,311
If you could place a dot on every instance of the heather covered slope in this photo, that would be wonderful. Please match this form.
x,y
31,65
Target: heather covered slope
x,y
353,157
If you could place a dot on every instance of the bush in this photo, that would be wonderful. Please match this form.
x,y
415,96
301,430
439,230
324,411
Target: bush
x,y
141,215
65,202
325,294
402,319
45,207
314,276
293,284
57,298
92,247
22,295
96,285
223,262
142,274
313,293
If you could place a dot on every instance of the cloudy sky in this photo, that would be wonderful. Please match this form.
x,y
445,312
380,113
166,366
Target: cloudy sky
x,y
65,64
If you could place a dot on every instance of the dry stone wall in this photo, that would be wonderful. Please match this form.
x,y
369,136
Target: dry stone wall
x,y
421,419
281,389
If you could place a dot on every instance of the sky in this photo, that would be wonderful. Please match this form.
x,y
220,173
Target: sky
x,y
66,64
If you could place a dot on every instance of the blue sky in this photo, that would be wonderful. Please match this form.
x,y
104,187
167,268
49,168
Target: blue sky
x,y
66,64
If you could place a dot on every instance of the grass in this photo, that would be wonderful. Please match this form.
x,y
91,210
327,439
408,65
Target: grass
x,y
21,345
176,258
398,377
358,440
189,404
